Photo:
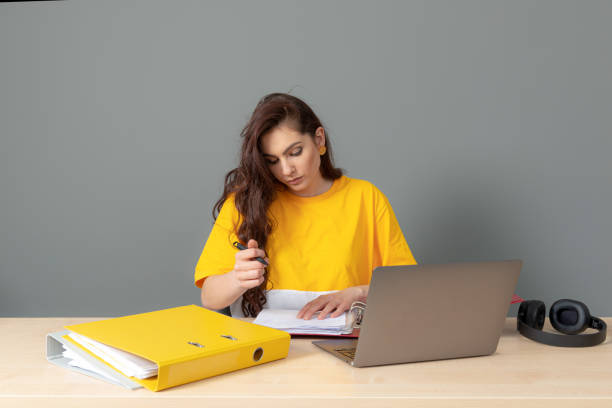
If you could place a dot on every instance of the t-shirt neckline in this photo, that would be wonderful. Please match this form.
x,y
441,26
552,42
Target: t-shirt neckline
x,y
336,185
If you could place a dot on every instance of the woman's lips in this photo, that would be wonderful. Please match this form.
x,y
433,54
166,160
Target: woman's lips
x,y
295,181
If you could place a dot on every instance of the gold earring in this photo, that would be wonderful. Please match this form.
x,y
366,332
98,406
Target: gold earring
x,y
322,150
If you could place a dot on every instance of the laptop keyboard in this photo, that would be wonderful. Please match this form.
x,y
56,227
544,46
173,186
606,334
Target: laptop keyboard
x,y
348,352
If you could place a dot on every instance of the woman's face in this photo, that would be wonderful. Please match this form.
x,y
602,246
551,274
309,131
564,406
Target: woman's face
x,y
294,159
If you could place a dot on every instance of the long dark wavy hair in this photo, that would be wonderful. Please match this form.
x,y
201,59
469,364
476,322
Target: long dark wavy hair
x,y
254,185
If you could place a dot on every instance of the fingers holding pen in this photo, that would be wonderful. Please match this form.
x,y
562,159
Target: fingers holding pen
x,y
253,246
249,269
252,251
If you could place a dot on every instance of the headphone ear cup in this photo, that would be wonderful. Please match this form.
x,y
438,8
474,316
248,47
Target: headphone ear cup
x,y
532,313
569,316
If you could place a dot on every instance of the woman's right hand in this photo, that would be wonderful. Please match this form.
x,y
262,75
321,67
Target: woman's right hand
x,y
248,272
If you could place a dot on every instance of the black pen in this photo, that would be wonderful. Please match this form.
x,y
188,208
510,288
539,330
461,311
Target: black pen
x,y
242,248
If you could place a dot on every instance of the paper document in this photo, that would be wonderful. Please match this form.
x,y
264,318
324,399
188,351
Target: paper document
x,y
78,361
129,364
286,320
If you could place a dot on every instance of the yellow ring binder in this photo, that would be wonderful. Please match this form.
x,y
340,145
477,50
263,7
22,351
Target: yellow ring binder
x,y
187,343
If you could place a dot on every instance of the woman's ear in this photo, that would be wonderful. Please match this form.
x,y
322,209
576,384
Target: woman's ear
x,y
320,137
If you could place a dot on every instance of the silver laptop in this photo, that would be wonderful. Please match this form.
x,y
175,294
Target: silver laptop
x,y
431,312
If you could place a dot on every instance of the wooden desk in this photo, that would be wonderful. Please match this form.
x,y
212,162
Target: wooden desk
x,y
521,373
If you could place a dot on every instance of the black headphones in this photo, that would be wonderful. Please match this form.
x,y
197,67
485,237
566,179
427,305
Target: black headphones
x,y
566,316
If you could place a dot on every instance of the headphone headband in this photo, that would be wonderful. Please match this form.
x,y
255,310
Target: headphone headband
x,y
560,340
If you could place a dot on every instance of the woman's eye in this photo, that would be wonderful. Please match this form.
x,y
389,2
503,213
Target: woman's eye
x,y
296,152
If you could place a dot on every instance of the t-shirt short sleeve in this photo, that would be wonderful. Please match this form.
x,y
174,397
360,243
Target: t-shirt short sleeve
x,y
219,255
390,244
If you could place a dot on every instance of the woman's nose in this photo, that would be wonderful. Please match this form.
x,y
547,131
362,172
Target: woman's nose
x,y
286,168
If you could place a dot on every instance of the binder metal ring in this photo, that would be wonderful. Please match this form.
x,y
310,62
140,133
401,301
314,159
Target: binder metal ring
x,y
355,315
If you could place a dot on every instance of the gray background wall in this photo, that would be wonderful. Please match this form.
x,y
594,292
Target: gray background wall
x,y
488,124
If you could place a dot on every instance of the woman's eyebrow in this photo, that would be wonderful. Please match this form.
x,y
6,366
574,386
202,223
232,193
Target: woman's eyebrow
x,y
286,150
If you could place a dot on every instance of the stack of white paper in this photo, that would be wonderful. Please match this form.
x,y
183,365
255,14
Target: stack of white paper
x,y
128,363
78,361
286,320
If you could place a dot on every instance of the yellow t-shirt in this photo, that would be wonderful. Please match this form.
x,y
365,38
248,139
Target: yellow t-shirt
x,y
323,243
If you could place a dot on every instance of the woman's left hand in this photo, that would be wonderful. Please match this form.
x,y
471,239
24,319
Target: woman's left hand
x,y
335,303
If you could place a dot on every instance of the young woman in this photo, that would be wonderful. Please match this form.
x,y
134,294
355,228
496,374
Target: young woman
x,y
320,232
